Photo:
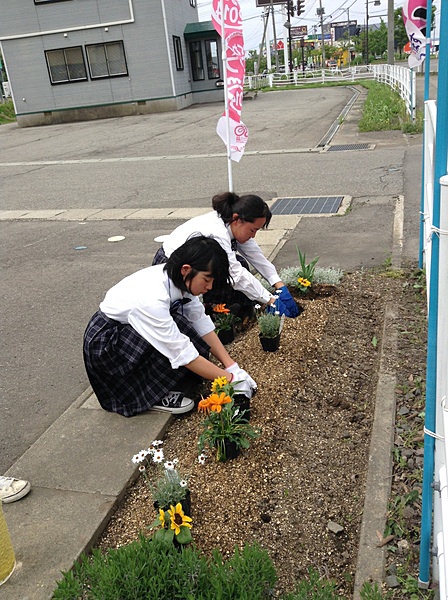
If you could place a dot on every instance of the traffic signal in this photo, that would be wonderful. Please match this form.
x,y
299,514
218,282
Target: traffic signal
x,y
300,7
290,8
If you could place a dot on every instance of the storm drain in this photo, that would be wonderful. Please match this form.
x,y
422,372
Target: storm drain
x,y
309,205
338,148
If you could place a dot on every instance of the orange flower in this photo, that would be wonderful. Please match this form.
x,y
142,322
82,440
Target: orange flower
x,y
204,405
217,400
220,308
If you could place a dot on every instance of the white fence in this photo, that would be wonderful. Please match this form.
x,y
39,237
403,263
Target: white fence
x,y
400,79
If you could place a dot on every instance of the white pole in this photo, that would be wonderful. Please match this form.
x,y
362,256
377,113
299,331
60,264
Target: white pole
x,y
226,96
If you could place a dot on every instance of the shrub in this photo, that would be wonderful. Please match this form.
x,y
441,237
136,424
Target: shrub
x,y
150,569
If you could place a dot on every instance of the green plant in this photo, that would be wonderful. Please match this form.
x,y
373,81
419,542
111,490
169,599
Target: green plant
x,y
370,591
222,318
306,272
314,588
175,525
269,324
224,422
151,569
7,113
169,486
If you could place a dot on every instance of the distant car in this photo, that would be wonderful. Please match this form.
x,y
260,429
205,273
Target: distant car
x,y
281,68
332,64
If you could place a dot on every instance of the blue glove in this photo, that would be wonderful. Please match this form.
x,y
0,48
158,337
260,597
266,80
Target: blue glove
x,y
291,308
278,306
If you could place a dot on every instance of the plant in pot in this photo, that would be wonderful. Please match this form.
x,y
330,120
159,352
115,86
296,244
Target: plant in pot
x,y
225,427
169,489
224,321
270,324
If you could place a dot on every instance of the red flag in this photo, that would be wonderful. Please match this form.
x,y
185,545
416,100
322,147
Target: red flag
x,y
232,38
414,18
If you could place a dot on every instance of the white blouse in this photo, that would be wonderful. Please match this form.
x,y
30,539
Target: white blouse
x,y
143,301
212,225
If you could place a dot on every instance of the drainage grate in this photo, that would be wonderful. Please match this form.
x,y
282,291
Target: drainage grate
x,y
311,205
337,148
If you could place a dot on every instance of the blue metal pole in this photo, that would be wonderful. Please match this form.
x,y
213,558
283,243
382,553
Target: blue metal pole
x,y
440,169
425,97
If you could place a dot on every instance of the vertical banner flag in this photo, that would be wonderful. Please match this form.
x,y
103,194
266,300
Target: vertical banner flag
x,y
414,18
232,40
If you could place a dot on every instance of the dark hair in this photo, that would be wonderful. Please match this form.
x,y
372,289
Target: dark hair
x,y
248,207
202,254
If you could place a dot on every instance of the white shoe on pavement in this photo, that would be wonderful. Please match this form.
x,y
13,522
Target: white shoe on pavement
x,y
13,489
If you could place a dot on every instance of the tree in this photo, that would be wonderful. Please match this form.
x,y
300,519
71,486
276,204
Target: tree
x,y
378,40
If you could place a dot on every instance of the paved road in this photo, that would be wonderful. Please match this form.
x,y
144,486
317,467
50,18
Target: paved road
x,y
161,161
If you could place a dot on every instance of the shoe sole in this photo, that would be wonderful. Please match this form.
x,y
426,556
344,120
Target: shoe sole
x,y
23,492
174,411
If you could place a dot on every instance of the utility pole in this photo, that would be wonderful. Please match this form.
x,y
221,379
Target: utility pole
x,y
275,37
320,12
263,42
390,32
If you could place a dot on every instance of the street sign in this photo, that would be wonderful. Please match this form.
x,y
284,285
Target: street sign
x,y
280,45
263,3
298,32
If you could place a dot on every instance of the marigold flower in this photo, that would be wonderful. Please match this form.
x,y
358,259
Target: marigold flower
x,y
218,383
220,308
178,518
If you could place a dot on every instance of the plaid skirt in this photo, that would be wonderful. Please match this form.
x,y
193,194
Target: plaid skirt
x,y
224,294
127,374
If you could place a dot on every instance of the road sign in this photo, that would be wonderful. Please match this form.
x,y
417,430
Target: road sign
x,y
280,45
298,32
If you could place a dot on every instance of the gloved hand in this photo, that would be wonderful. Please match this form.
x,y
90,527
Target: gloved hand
x,y
292,310
278,306
243,387
241,375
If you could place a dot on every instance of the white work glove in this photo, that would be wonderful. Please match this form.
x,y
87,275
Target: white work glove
x,y
240,375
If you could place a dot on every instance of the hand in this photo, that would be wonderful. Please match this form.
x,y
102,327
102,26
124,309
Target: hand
x,y
241,375
244,387
291,308
277,306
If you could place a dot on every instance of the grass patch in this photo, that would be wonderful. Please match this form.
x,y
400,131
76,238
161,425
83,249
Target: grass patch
x,y
7,114
384,110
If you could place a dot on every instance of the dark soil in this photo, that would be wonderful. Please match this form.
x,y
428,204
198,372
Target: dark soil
x,y
307,470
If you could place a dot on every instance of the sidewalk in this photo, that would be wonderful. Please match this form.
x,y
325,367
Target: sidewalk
x,y
81,466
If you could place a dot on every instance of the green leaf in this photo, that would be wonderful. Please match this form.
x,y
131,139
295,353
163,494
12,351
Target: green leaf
x,y
374,341
184,536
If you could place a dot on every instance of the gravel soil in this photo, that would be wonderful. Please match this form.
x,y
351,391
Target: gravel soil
x,y
299,489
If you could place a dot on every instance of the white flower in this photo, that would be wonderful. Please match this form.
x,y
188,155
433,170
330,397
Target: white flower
x,y
277,312
201,459
158,456
157,443
257,307
175,461
183,483
142,468
169,465
140,457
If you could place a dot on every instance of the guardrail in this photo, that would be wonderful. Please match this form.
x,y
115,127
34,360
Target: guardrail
x,y
401,79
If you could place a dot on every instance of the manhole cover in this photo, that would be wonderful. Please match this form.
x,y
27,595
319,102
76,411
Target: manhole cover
x,y
337,148
310,205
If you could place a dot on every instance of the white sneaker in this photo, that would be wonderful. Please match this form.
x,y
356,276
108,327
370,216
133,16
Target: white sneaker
x,y
175,403
13,489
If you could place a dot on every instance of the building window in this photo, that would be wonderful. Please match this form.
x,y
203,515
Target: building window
x,y
197,64
211,52
106,60
193,3
178,53
66,65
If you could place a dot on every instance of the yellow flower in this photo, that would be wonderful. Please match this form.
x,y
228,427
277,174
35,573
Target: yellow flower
x,y
178,518
162,517
303,282
218,383
217,400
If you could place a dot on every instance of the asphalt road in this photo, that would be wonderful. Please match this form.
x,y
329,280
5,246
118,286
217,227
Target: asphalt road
x,y
50,289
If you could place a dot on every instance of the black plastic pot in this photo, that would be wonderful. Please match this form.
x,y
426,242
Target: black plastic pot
x,y
186,505
270,344
231,451
226,335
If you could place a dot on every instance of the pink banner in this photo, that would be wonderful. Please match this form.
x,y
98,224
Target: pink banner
x,y
414,18
235,69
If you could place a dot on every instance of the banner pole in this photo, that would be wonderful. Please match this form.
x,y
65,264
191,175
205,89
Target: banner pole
x,y
226,95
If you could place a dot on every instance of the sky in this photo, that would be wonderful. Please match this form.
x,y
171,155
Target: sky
x,y
335,11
